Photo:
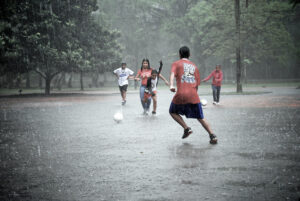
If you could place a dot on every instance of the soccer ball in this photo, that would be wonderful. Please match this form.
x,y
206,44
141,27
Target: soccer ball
x,y
203,102
118,117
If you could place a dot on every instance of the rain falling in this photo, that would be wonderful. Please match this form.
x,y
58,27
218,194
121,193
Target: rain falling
x,y
150,100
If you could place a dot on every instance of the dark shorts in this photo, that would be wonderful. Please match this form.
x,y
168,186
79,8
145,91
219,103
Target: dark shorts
x,y
123,88
189,110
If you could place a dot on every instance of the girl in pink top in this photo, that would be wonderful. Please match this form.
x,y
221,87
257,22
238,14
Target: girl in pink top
x,y
143,74
217,75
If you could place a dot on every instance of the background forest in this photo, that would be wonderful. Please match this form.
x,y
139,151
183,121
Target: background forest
x,y
71,43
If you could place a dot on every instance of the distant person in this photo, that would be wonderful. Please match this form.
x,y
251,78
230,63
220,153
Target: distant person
x,y
186,100
123,74
217,75
151,88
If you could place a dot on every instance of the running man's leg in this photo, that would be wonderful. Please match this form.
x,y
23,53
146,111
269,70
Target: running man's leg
x,y
124,90
213,137
205,125
154,102
179,120
124,95
121,91
186,130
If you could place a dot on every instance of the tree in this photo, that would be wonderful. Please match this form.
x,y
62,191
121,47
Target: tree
x,y
52,37
239,88
208,27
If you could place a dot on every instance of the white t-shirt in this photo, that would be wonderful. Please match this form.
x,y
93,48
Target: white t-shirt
x,y
153,84
123,75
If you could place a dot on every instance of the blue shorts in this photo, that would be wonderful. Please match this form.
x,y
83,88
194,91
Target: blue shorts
x,y
189,110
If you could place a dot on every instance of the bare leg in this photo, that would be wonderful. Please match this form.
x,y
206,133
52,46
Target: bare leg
x,y
179,120
154,98
121,92
205,125
124,95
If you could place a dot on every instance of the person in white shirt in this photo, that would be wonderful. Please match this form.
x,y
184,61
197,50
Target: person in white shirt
x,y
123,74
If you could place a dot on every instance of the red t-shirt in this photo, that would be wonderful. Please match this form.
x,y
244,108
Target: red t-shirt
x,y
144,74
217,77
187,80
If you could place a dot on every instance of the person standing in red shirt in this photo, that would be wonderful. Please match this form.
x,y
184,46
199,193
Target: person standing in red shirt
x,y
217,75
186,100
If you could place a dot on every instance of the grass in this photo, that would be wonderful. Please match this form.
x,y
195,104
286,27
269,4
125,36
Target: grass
x,y
228,89
8,92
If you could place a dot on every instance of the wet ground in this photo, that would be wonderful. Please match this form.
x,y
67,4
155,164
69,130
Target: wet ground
x,y
69,148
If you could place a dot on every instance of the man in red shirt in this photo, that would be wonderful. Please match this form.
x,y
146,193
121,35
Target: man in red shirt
x,y
186,100
217,75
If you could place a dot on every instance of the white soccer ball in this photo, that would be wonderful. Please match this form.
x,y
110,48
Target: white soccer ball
x,y
203,102
118,117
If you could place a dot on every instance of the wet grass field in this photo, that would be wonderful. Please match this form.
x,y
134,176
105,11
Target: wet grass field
x,y
70,148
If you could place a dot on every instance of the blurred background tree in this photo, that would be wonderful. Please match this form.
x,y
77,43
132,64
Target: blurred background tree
x,y
53,37
59,39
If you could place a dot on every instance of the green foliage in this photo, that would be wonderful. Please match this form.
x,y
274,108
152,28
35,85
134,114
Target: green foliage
x,y
139,25
53,36
208,27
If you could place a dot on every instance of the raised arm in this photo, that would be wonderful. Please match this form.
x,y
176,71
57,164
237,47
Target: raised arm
x,y
208,77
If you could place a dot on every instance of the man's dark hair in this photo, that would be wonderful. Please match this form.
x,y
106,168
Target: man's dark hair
x,y
184,52
123,63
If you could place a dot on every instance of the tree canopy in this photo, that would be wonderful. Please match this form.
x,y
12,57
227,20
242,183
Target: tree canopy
x,y
50,37
53,36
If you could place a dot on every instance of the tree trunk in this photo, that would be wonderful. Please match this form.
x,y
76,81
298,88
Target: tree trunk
x,y
28,80
47,87
81,81
238,48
